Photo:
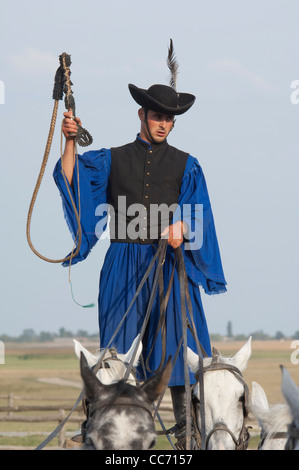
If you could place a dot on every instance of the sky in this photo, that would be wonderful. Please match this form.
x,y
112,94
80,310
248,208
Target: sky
x,y
240,59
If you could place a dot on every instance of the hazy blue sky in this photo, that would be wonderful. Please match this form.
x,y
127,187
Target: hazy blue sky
x,y
239,58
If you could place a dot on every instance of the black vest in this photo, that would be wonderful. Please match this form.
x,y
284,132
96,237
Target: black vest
x,y
144,189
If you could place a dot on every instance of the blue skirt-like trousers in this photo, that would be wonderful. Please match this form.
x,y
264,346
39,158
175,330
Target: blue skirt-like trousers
x,y
124,267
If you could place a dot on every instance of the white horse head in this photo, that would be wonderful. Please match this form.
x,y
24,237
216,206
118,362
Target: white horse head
x,y
273,419
115,365
224,397
120,414
291,394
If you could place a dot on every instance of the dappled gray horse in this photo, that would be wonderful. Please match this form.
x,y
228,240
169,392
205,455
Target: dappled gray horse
x,y
119,415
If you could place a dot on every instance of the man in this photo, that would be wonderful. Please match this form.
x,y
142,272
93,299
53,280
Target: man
x,y
135,178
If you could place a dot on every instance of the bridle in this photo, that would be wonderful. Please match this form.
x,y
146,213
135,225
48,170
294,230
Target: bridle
x,y
104,406
241,442
292,435
276,435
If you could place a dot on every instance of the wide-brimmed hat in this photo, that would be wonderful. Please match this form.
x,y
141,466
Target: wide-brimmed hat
x,y
162,98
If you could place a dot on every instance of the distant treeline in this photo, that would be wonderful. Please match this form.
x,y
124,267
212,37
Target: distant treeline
x,y
257,335
29,335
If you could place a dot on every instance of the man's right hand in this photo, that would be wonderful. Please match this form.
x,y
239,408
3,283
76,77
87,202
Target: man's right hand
x,y
69,125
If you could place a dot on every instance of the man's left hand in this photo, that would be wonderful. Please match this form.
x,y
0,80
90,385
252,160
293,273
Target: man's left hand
x,y
174,233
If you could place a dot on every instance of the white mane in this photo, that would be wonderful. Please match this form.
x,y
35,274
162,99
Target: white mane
x,y
271,418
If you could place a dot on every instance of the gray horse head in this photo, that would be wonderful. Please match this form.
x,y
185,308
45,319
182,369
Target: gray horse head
x,y
120,414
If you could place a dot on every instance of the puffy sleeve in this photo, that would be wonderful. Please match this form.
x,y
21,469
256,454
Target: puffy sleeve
x,y
201,249
89,191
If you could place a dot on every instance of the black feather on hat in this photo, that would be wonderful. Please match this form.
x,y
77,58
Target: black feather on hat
x,y
163,98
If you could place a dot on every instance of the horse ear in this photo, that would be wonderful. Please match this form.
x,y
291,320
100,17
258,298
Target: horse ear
x,y
91,359
241,358
192,359
258,399
92,386
290,392
156,385
130,353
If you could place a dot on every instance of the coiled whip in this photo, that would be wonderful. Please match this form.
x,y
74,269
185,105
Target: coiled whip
x,y
62,86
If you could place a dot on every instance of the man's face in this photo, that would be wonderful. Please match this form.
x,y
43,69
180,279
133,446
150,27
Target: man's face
x,y
159,125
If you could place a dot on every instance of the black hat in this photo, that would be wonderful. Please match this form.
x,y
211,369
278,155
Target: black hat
x,y
163,98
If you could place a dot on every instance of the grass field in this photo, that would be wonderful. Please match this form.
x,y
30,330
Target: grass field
x,y
51,371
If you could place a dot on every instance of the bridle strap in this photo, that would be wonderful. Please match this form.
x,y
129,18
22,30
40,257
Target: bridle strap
x,y
119,401
237,373
222,427
276,435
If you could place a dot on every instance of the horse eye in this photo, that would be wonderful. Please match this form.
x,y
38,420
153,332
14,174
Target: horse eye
x,y
242,402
